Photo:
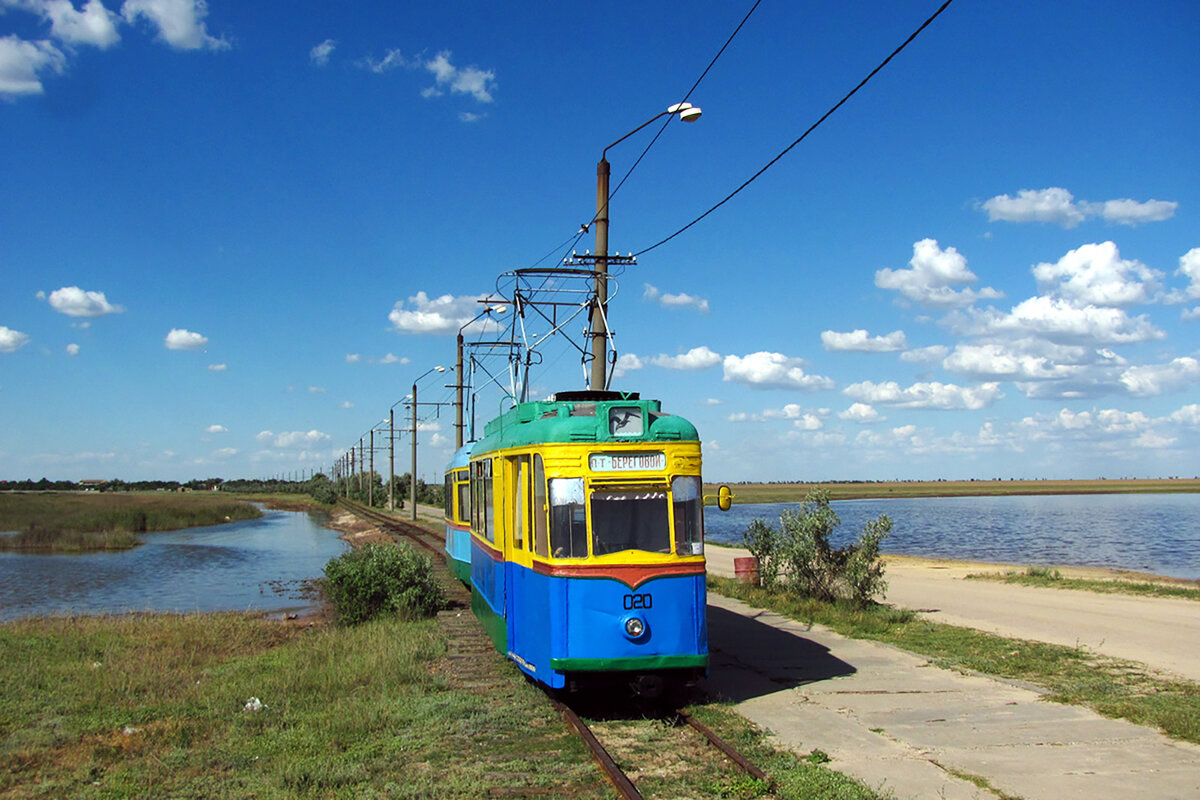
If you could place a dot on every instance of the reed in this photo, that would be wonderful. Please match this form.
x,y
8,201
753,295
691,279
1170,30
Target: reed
x,y
76,522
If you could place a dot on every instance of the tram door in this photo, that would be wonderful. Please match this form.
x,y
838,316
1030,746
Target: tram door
x,y
516,550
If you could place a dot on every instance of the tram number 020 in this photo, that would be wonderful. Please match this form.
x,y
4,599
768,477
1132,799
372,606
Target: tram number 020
x,y
633,601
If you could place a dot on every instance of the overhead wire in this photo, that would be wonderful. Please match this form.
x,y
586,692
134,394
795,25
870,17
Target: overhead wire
x,y
573,240
804,135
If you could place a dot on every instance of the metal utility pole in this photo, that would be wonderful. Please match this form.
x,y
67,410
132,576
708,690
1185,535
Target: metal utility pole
x,y
458,395
371,474
391,459
600,311
413,491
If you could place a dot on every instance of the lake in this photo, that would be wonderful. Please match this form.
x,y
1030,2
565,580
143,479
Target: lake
x,y
1156,533
255,565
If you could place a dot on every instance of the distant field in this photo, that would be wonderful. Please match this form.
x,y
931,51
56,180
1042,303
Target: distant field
x,y
795,492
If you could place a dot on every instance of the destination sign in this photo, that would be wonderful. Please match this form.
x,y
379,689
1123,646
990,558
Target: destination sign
x,y
627,462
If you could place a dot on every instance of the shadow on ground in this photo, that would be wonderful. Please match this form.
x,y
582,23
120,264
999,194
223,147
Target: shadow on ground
x,y
748,658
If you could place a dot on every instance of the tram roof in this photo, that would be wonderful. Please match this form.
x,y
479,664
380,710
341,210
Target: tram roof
x,y
582,417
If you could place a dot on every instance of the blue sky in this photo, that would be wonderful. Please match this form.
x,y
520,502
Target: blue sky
x,y
233,234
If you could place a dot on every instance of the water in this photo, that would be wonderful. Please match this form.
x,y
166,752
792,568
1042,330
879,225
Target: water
x,y
256,565
1156,533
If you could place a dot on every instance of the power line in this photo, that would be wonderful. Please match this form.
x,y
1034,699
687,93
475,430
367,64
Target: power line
x,y
574,239
803,136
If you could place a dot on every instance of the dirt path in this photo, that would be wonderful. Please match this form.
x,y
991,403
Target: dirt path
x,y
1162,633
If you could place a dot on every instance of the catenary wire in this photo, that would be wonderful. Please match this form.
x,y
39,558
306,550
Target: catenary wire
x,y
804,135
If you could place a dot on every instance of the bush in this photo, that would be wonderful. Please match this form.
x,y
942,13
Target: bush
x,y
800,558
381,578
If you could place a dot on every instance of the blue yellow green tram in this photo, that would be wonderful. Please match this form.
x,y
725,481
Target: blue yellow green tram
x,y
586,541
458,514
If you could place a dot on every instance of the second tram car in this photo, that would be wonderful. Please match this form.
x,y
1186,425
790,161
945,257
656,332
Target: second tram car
x,y
586,544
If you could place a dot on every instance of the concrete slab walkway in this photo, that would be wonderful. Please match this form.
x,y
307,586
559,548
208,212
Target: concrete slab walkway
x,y
894,721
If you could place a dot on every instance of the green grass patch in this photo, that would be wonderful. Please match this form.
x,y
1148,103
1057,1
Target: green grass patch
x,y
77,522
155,706
1052,578
1112,687
163,705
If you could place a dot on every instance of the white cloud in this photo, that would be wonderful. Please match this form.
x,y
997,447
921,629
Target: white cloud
x,y
925,354
861,413
1054,205
932,275
1188,415
353,358
23,63
694,359
445,314
934,395
652,294
180,23
1058,206
72,349
466,80
346,404
293,438
765,370
225,452
12,341
469,116
627,362
217,367
712,401
1059,320
216,429
391,358
861,341
1095,274
94,25
391,60
181,339
1189,267
319,55
1009,361
1154,379
316,390
75,302
1131,212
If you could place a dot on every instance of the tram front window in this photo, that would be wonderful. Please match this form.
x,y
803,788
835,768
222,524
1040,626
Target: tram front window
x,y
568,518
630,519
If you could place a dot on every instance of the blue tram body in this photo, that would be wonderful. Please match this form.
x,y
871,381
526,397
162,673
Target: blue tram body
x,y
586,558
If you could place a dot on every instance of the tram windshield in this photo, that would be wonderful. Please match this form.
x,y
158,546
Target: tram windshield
x,y
630,519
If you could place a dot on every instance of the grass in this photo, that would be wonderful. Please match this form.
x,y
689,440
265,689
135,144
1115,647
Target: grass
x,y
796,492
77,522
1052,578
1112,687
155,706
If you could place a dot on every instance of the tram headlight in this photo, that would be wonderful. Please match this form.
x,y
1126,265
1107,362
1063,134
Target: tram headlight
x,y
635,627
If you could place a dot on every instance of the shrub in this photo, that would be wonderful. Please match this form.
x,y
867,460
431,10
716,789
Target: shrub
x,y
799,557
381,578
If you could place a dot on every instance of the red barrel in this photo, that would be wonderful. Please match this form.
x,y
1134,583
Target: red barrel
x,y
746,570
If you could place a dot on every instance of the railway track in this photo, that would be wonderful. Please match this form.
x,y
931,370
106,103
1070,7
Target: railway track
x,y
474,664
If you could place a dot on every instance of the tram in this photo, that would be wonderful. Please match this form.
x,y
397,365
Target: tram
x,y
578,522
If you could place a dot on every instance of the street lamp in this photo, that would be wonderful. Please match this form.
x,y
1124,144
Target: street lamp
x,y
413,491
599,379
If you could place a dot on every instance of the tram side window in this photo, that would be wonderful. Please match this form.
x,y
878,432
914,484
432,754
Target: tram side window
x,y
463,492
568,518
446,495
521,502
489,510
688,508
630,519
541,539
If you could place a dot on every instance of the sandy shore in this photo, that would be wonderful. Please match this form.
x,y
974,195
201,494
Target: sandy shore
x,y
1162,633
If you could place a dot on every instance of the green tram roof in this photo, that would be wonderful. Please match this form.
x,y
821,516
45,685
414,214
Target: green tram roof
x,y
580,417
